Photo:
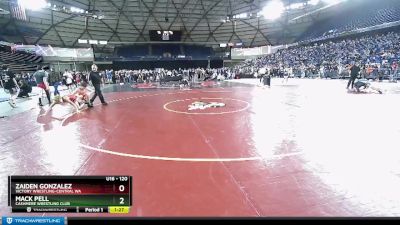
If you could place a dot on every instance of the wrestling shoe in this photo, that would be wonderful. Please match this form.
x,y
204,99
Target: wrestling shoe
x,y
104,103
89,104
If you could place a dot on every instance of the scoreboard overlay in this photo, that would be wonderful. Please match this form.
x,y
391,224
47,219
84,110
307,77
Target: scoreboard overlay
x,y
70,194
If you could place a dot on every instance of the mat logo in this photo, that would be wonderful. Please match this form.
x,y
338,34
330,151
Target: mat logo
x,y
205,105
9,220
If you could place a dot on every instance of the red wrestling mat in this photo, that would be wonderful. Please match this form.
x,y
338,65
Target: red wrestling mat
x,y
144,85
240,151
209,83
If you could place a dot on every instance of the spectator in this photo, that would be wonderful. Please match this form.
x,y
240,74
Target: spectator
x,y
25,89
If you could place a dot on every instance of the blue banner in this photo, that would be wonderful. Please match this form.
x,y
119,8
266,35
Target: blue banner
x,y
32,220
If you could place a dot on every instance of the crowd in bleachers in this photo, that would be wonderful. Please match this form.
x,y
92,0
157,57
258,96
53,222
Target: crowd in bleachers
x,y
73,78
358,15
378,56
157,75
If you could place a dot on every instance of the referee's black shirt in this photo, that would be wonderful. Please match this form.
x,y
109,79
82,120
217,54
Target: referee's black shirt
x,y
355,70
95,77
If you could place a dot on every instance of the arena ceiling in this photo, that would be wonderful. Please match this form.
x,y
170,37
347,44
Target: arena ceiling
x,y
129,21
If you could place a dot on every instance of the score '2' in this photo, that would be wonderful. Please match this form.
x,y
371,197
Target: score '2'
x,y
121,189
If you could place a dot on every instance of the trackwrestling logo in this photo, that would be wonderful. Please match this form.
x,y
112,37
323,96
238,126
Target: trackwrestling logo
x,y
33,220
205,105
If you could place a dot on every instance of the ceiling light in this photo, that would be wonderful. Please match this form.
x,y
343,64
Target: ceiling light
x,y
296,6
333,2
33,5
240,16
273,10
313,2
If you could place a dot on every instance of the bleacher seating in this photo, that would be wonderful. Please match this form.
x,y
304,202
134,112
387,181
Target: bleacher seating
x,y
198,52
132,51
18,61
358,15
331,59
19,57
28,68
162,50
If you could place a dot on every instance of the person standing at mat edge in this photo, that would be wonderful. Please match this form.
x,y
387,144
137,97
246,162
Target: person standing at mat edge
x,y
42,80
96,80
265,77
354,71
10,85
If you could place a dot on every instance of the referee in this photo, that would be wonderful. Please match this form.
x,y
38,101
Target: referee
x,y
354,71
96,80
